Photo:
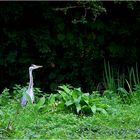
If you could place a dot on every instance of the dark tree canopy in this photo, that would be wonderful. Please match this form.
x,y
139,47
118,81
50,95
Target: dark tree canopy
x,y
70,39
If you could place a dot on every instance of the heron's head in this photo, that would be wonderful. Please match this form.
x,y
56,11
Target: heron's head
x,y
32,67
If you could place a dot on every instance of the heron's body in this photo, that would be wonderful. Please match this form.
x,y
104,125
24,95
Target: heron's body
x,y
30,92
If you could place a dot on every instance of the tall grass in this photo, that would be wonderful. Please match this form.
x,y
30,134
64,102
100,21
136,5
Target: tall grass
x,y
121,84
133,76
108,77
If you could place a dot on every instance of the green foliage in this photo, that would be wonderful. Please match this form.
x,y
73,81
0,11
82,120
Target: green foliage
x,y
109,79
96,8
36,121
81,103
117,84
125,95
134,76
5,96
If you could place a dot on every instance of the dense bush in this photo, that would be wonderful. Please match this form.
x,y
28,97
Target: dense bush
x,y
73,99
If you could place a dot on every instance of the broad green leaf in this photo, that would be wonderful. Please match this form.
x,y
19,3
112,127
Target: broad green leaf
x,y
79,89
51,99
65,88
123,91
78,108
39,104
77,100
41,101
64,95
85,98
104,106
61,105
74,94
68,103
86,94
102,111
93,109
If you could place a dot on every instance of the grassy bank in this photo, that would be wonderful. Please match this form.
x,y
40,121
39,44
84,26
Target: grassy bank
x,y
42,121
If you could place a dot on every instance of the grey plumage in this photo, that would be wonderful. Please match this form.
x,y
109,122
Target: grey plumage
x,y
29,92
23,100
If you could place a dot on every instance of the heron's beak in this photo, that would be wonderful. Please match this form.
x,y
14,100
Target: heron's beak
x,y
37,66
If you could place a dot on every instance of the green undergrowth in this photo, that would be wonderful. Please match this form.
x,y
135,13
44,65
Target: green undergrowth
x,y
51,117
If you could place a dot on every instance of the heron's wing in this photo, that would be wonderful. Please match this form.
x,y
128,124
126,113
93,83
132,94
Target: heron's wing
x,y
23,101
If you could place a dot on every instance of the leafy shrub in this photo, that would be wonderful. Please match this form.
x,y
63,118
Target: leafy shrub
x,y
4,96
17,92
125,96
81,103
121,85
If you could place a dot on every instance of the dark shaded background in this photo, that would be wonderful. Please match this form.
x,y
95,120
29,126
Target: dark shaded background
x,y
35,33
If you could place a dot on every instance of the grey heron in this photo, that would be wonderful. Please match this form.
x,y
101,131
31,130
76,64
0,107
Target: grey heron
x,y
29,91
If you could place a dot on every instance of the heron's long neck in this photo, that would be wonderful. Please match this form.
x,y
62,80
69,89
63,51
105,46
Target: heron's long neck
x,y
31,80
